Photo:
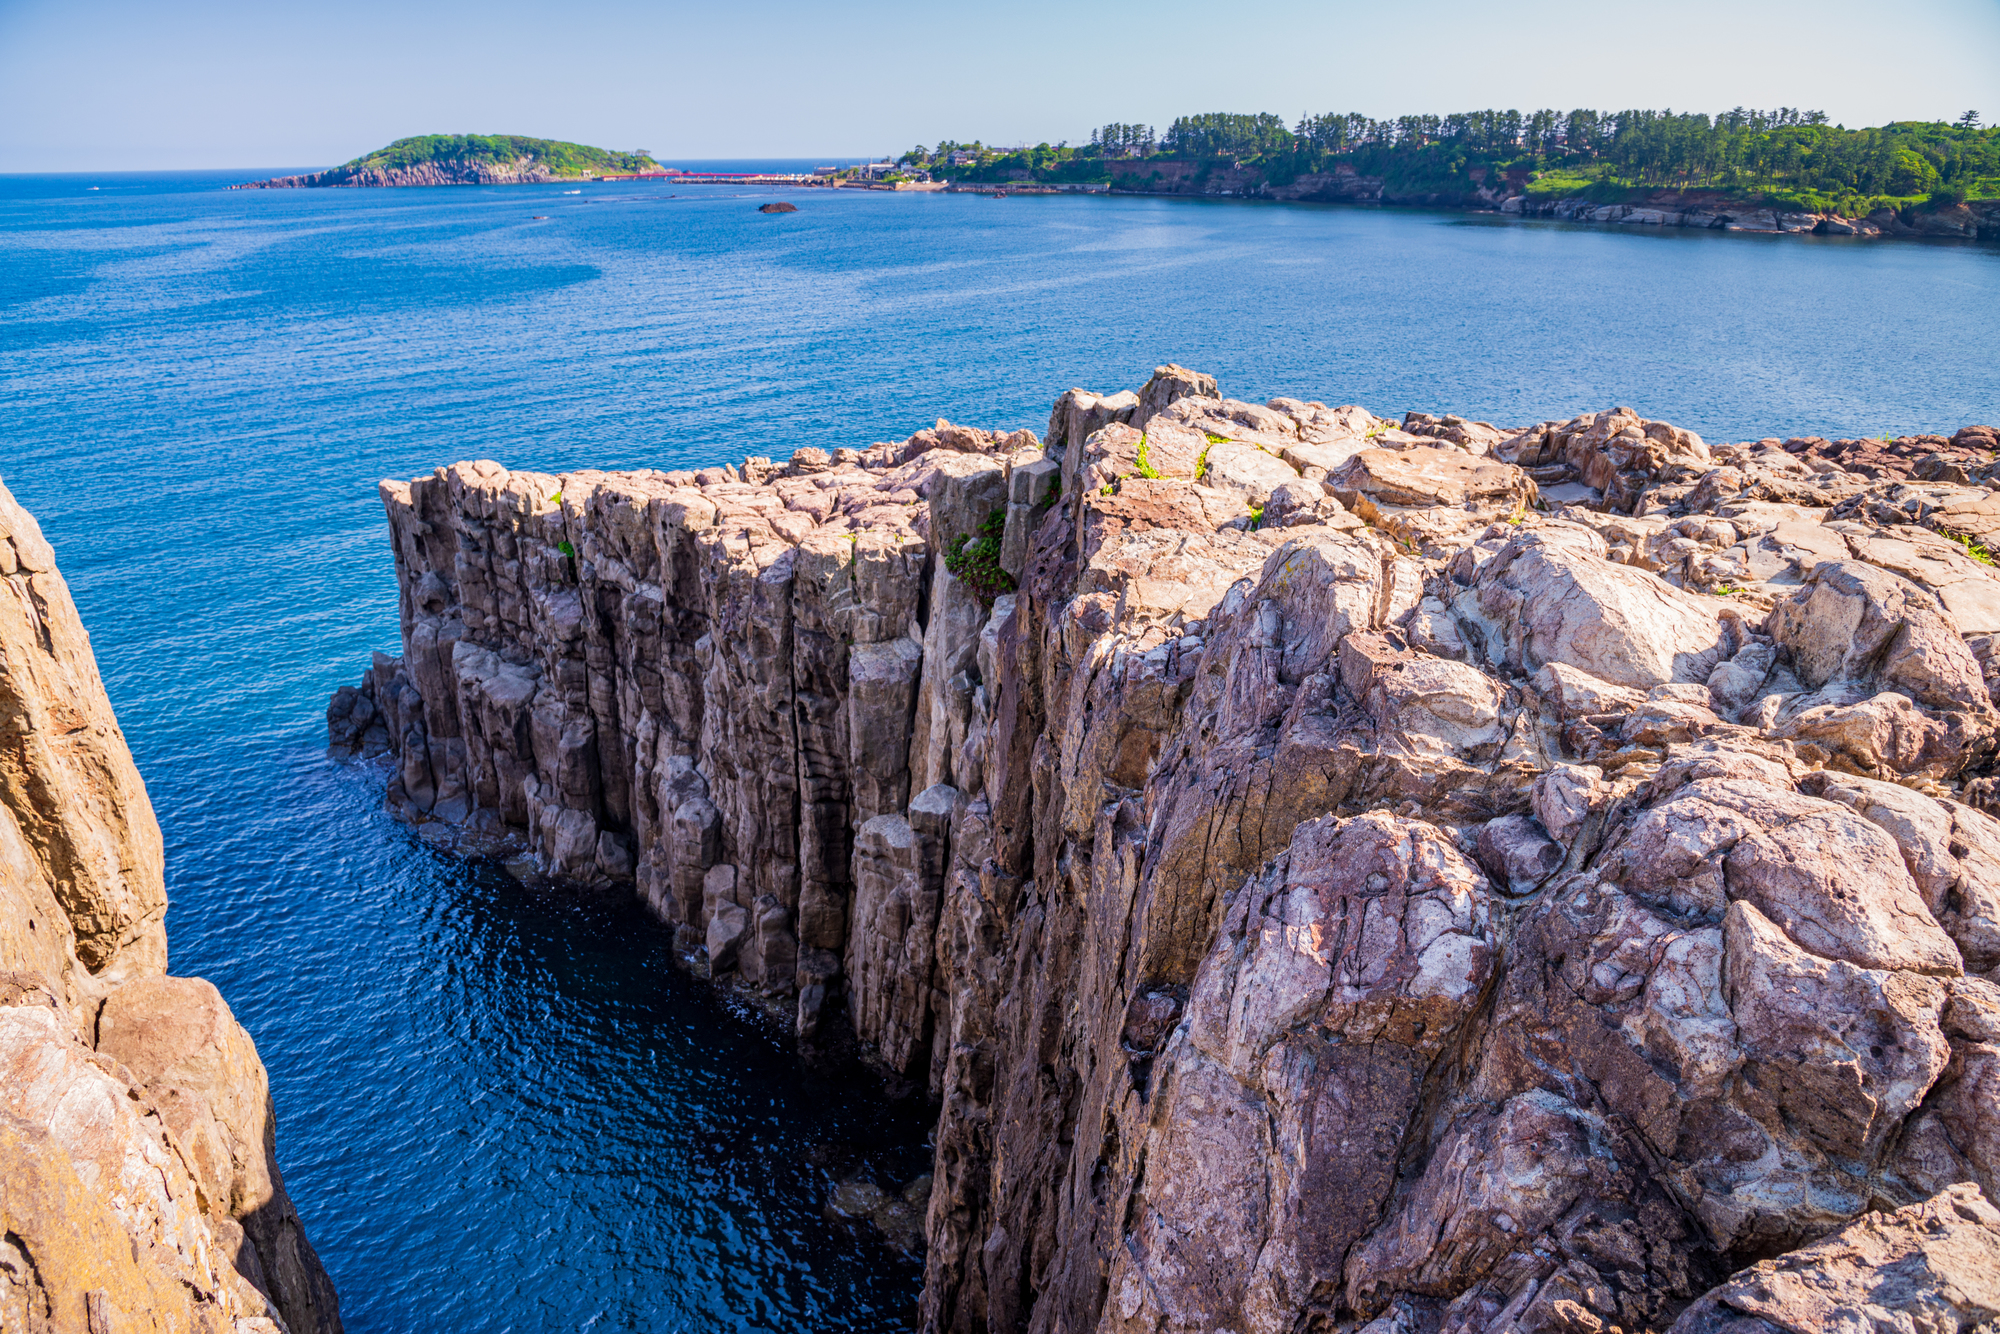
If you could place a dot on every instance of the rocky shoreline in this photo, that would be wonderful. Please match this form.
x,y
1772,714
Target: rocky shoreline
x,y
1977,220
526,171
139,1182
1702,209
1329,872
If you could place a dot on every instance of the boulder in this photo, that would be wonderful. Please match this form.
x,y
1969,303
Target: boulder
x,y
1550,595
1857,622
1928,1266
1169,384
1427,477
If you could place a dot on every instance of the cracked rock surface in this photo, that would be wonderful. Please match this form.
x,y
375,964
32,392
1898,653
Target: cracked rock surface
x,y
1329,873
139,1184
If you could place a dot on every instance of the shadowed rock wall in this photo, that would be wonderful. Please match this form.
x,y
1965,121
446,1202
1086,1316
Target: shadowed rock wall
x,y
139,1184
1328,872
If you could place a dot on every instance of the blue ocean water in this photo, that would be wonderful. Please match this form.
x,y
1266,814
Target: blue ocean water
x,y
500,1108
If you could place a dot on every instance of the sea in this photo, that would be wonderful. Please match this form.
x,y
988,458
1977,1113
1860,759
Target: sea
x,y
499,1105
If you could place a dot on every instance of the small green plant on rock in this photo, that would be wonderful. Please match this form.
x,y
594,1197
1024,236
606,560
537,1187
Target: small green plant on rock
x,y
1973,548
975,562
1145,463
1201,463
566,549
1256,517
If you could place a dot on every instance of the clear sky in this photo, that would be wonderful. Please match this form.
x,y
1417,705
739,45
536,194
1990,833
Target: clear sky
x,y
154,84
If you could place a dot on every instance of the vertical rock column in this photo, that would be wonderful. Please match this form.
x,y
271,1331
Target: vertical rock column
x,y
701,683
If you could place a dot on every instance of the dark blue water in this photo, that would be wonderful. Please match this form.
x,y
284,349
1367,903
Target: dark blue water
x,y
500,1108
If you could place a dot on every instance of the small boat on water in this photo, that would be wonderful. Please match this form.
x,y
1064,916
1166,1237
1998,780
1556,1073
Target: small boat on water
x,y
998,194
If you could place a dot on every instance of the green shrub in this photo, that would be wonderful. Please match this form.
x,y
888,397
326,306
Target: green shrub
x,y
1973,547
976,563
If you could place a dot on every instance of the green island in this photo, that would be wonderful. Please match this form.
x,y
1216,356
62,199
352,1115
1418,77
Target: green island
x,y
473,159
1785,159
560,157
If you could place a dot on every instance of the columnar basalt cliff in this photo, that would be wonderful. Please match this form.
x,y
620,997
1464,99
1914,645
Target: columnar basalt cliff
x,y
1327,871
139,1184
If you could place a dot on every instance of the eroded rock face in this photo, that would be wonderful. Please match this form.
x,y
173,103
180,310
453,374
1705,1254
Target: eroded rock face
x,y
1934,1265
1328,874
137,1144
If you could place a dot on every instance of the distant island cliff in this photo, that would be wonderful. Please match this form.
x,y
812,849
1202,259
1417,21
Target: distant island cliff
x,y
468,159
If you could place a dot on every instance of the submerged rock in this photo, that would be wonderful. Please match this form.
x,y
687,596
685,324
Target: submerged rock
x,y
780,207
1327,874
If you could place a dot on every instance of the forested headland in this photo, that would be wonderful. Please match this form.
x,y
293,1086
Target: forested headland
x,y
1784,158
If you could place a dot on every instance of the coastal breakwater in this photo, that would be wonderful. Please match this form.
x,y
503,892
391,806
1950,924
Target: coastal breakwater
x,y
139,1183
1328,872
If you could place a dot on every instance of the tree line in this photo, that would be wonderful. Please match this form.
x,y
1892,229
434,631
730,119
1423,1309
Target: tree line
x,y
1743,150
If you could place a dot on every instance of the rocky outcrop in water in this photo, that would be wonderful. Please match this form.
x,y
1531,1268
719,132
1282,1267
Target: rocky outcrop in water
x,y
525,171
1328,873
137,1148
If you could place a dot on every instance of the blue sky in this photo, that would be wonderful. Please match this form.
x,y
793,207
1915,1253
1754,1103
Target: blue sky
x,y
139,84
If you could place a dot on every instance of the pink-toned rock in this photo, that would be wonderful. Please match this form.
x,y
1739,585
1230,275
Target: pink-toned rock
x,y
1321,887
1930,1266
1550,595
139,1185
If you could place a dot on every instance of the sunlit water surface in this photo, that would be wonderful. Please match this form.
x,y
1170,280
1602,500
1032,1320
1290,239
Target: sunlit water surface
x,y
500,1108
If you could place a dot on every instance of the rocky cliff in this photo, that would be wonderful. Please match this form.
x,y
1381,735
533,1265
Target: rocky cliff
x,y
1328,872
139,1184
1977,220
1701,209
525,171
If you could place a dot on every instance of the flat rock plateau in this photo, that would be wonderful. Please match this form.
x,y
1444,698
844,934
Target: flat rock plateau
x,y
1329,873
139,1182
